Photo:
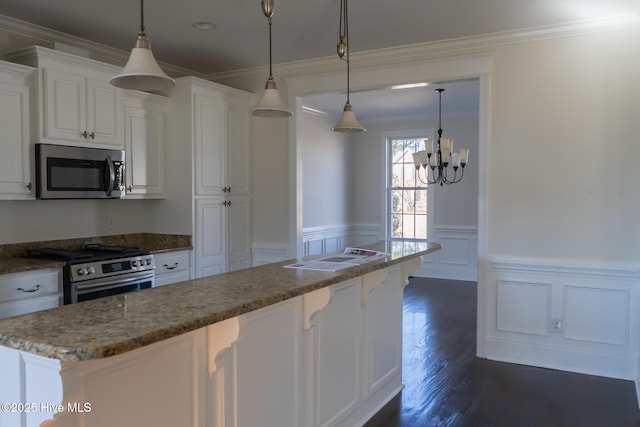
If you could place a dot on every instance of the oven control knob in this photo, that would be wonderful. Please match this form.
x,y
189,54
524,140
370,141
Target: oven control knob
x,y
148,262
91,270
135,263
82,271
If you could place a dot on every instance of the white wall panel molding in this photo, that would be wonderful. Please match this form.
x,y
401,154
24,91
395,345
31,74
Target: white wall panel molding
x,y
597,315
523,307
366,233
577,316
266,253
589,268
325,239
458,258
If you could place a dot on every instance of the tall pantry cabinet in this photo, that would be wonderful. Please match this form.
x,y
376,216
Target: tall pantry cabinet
x,y
208,186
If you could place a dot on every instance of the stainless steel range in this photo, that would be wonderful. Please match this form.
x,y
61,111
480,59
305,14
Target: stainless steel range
x,y
99,270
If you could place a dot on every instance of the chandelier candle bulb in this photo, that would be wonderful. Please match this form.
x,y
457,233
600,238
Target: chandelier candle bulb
x,y
429,144
464,156
455,160
433,161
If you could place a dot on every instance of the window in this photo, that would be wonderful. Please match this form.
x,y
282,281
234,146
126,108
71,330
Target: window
x,y
407,196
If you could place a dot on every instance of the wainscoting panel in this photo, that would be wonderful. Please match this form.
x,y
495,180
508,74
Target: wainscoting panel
x,y
577,315
327,239
523,307
458,258
265,253
597,315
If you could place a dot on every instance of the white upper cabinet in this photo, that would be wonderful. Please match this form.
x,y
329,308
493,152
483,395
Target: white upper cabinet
x,y
73,100
221,136
210,148
15,162
144,121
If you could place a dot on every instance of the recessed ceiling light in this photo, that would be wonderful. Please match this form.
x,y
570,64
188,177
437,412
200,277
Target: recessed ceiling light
x,y
410,85
204,25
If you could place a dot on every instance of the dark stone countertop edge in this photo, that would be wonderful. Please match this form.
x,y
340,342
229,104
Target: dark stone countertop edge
x,y
96,349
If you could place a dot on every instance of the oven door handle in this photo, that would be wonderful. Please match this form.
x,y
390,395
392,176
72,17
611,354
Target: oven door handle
x,y
110,281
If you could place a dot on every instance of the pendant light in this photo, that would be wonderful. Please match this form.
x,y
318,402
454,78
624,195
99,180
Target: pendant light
x,y
348,121
271,104
142,71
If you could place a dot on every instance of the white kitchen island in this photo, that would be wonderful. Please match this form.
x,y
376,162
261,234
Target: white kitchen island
x,y
267,346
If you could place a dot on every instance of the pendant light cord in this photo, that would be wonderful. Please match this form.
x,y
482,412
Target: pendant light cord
x,y
141,33
270,51
343,33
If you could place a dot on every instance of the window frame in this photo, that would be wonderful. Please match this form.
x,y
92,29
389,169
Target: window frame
x,y
388,167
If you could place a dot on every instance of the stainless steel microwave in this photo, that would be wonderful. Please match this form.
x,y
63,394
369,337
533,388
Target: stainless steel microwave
x,y
64,172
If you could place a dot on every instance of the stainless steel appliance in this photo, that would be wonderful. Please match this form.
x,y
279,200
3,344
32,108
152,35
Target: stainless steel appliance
x,y
99,271
64,172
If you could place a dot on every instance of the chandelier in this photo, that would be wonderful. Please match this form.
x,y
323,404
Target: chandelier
x,y
434,161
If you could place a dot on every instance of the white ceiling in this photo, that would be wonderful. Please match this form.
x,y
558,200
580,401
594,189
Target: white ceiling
x,y
302,29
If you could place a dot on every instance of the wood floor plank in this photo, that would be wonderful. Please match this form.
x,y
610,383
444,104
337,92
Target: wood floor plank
x,y
446,385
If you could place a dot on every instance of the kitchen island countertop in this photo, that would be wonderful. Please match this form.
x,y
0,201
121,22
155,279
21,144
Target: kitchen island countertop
x,y
112,325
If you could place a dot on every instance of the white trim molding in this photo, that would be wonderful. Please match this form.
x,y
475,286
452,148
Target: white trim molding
x,y
334,238
266,253
458,258
572,315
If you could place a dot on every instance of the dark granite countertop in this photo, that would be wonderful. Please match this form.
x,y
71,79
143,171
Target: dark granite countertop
x,y
120,323
13,256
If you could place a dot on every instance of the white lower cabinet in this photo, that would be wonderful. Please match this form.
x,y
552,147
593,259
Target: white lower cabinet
x,y
27,292
222,235
172,267
331,357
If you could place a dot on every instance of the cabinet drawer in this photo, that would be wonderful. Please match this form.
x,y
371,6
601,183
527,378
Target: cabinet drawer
x,y
18,286
172,267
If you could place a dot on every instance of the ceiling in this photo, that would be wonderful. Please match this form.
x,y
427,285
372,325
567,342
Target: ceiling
x,y
302,29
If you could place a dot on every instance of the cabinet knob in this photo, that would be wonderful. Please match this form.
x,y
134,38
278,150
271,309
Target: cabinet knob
x,y
227,203
175,265
29,186
129,189
92,135
84,134
226,189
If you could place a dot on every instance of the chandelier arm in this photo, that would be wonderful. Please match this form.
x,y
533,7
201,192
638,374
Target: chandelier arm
x,y
426,175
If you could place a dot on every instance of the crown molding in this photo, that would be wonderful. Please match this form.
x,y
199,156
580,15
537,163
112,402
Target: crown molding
x,y
428,50
371,58
99,52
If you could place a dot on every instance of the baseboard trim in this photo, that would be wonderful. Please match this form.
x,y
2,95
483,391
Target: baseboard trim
x,y
380,417
602,364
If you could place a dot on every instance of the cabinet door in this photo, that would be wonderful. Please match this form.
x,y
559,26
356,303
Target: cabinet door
x,y
239,238
210,237
144,145
210,155
15,180
104,107
238,147
64,116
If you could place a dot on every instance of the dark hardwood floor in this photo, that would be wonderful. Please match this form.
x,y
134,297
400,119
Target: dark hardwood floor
x,y
446,385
